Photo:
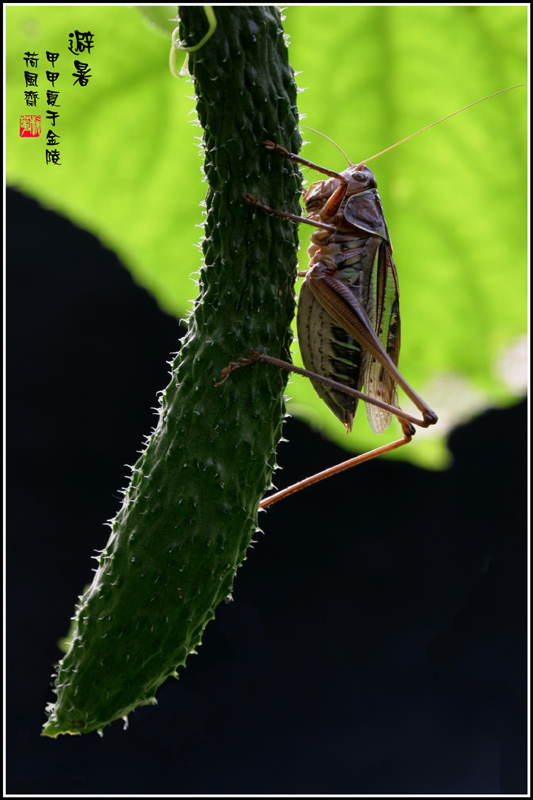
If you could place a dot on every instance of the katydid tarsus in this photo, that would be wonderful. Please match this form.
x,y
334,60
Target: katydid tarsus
x,y
348,312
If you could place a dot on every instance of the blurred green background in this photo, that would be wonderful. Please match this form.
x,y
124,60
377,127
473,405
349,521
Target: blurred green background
x,y
454,197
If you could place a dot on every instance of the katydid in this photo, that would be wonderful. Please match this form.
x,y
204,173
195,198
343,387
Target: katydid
x,y
348,313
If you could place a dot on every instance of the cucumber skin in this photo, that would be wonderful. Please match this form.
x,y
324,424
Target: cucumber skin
x,y
190,510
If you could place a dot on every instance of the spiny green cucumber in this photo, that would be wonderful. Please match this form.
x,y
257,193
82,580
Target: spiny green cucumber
x,y
190,510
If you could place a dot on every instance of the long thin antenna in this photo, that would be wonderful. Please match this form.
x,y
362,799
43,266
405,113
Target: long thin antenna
x,y
366,160
307,128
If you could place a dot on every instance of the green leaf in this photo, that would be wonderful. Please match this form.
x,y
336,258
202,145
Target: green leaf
x,y
454,197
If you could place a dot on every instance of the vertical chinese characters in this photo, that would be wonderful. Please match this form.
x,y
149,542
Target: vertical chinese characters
x,y
79,43
52,137
30,124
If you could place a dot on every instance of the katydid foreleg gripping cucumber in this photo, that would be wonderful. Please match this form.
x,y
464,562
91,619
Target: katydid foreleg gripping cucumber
x,y
190,510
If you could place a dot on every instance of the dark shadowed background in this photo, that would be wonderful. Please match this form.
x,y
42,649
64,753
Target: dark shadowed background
x,y
377,638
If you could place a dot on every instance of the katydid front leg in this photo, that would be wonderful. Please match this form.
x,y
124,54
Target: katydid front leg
x,y
299,160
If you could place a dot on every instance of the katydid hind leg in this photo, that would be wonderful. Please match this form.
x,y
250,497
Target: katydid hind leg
x,y
335,470
407,420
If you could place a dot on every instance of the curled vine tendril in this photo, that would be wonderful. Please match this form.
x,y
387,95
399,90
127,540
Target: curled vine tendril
x,y
176,44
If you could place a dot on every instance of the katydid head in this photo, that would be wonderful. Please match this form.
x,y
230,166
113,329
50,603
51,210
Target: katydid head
x,y
358,178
